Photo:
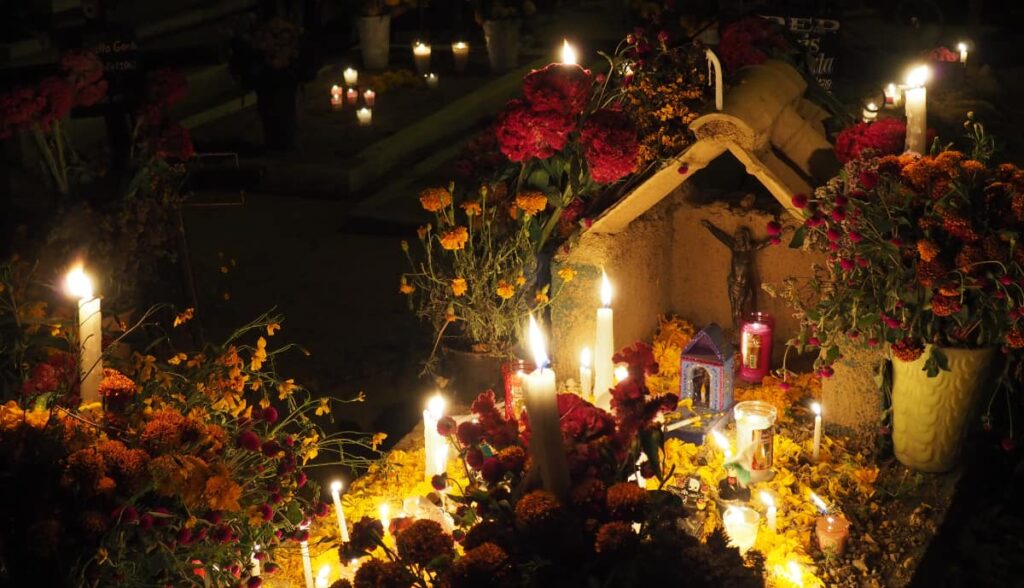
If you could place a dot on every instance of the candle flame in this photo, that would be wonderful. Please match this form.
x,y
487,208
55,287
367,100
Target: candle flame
x,y
795,572
721,441
436,406
918,76
384,511
819,502
349,71
325,571
606,290
621,372
537,346
961,46
336,486
78,284
421,48
585,357
568,53
872,106
890,89
816,408
460,45
767,499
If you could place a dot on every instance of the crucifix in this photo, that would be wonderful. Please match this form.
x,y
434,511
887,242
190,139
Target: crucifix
x,y
741,270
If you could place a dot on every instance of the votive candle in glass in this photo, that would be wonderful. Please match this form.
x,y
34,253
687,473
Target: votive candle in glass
x,y
421,55
369,97
460,54
741,523
755,425
431,80
364,116
756,346
870,112
336,98
351,76
352,96
833,530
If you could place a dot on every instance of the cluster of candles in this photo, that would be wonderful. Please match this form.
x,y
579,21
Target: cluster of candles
x,y
339,96
421,53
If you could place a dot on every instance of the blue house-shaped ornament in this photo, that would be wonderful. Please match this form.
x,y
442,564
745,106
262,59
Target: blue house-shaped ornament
x,y
706,371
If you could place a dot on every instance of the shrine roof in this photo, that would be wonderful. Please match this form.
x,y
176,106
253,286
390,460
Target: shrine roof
x,y
709,344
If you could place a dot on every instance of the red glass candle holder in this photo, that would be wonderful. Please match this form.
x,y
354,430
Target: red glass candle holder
x,y
756,346
513,372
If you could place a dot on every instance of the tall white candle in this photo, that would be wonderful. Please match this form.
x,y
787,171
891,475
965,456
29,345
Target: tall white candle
x,y
433,443
715,73
351,76
421,55
78,285
817,430
257,568
604,347
385,516
771,512
323,577
307,564
962,48
542,407
586,374
916,96
336,496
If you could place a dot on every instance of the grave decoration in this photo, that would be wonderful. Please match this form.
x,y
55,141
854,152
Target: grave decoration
x,y
707,371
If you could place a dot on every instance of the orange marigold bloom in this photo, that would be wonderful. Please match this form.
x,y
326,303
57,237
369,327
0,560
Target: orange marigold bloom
x,y
459,286
506,290
538,510
422,541
542,298
928,250
949,162
972,166
222,493
472,208
626,501
455,239
481,566
435,199
616,538
405,287
907,349
163,431
567,274
532,202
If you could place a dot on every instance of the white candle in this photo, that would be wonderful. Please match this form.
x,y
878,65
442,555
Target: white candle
x,y
962,47
620,373
78,285
323,577
421,55
460,54
604,347
723,444
307,563
741,524
818,502
715,65
385,516
542,408
432,81
433,442
352,95
771,512
817,430
364,116
893,95
916,108
568,53
257,568
351,76
586,374
369,97
336,91
870,112
336,496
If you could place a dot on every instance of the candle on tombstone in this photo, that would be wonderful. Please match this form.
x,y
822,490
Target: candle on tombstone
x,y
78,285
352,95
586,374
542,408
816,408
351,76
431,80
323,577
741,524
460,54
893,95
336,496
756,346
916,97
604,347
870,112
384,510
364,116
962,48
421,55
307,563
434,444
369,97
755,428
336,98
771,512
715,77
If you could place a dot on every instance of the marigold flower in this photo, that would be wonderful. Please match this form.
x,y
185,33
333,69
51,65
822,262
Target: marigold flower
x,y
626,501
505,290
567,274
945,305
472,208
907,349
422,541
541,297
927,249
532,202
405,287
455,239
538,510
483,565
435,199
222,493
616,538
459,286
374,573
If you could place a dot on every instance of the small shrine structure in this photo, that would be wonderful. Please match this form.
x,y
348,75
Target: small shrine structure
x,y
706,370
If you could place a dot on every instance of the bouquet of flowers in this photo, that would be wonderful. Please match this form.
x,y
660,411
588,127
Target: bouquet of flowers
x,y
871,139
751,41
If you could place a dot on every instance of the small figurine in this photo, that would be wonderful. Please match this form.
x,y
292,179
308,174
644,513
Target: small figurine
x,y
730,488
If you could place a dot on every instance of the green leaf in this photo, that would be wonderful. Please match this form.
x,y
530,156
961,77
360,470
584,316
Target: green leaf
x,y
798,238
650,441
539,179
940,358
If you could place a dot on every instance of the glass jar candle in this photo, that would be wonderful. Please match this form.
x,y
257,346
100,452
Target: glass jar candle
x,y
832,531
756,346
755,425
741,523
513,373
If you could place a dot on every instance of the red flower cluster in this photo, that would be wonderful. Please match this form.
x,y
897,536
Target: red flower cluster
x,y
85,72
634,407
559,88
173,142
497,430
610,145
166,87
886,136
750,41
59,373
524,133
943,54
80,83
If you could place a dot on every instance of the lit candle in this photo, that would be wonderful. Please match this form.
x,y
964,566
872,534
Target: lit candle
x,y
323,577
385,516
254,560
604,347
336,98
336,496
715,65
421,55
586,375
78,285
621,372
364,116
771,512
723,444
755,428
832,531
542,408
307,563
433,442
351,76
432,81
756,346
962,47
893,95
916,108
352,95
568,53
816,408
870,112
369,97
819,503
460,53
741,524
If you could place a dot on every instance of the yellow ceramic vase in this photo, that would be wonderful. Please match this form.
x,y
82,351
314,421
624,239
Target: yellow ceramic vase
x,y
929,415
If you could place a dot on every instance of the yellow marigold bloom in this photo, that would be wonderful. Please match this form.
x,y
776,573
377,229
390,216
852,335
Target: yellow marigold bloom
x,y
405,287
435,199
449,314
273,328
506,290
184,317
423,231
177,359
520,280
542,298
459,286
455,239
567,274
222,493
259,356
286,389
377,439
11,415
324,408
472,208
972,166
928,250
531,202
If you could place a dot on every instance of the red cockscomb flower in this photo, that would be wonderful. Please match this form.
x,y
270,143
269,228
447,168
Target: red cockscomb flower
x,y
524,133
559,88
610,145
882,137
